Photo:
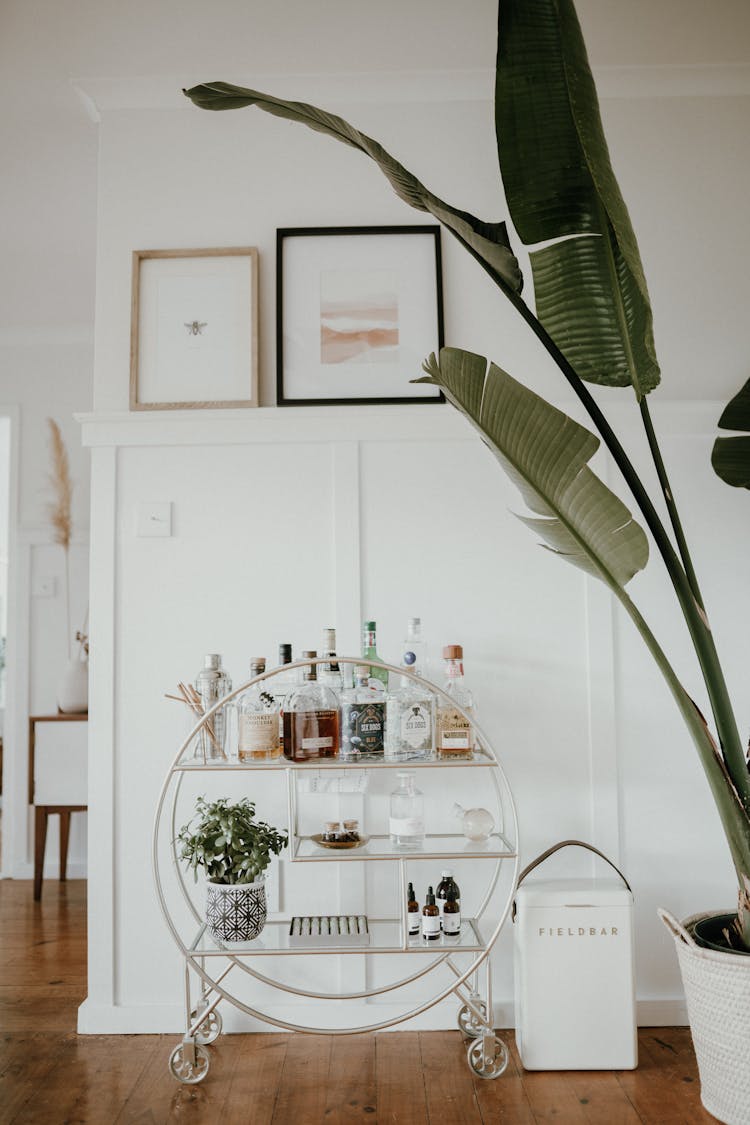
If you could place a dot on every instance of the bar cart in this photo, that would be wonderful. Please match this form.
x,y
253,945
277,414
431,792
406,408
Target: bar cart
x,y
453,965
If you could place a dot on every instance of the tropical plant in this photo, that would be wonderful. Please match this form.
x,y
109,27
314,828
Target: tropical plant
x,y
593,316
731,455
228,841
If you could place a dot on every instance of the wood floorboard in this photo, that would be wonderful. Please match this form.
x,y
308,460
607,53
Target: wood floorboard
x,y
49,1075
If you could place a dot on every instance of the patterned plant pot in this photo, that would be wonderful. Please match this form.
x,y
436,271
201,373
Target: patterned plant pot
x,y
236,912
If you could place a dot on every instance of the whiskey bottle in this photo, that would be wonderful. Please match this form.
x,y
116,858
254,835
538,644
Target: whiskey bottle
x,y
258,720
430,918
311,719
330,673
455,733
412,913
446,886
406,823
378,676
451,917
362,718
410,722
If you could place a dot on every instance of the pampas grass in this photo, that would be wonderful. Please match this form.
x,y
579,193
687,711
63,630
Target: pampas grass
x,y
59,507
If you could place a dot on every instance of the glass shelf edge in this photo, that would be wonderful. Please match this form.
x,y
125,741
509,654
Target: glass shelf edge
x,y
280,764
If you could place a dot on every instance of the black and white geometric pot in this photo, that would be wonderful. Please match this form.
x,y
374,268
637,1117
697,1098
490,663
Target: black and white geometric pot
x,y
236,912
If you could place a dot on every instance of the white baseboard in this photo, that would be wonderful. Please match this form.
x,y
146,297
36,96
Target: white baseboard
x,y
164,1019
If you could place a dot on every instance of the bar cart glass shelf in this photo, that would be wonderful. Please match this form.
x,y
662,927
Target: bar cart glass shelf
x,y
452,963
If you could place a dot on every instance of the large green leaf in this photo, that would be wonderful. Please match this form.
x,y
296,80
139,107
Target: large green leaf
x,y
731,456
546,454
487,242
591,292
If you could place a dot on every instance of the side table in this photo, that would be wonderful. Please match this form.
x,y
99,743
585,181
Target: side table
x,y
58,749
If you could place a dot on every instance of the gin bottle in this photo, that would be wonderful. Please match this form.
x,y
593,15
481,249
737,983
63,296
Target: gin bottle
x,y
378,676
311,719
410,722
258,720
330,673
455,733
362,718
406,823
413,656
212,683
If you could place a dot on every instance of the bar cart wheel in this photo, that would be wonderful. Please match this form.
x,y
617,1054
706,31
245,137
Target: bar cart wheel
x,y
469,1023
488,1056
210,1030
189,1062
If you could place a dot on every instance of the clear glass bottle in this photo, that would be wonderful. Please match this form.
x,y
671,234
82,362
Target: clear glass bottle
x,y
412,913
311,719
446,886
378,676
430,918
406,824
330,673
414,655
282,685
455,734
362,718
212,683
410,722
258,719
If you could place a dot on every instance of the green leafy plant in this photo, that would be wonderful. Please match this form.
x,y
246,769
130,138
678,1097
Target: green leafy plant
x,y
731,455
593,316
228,841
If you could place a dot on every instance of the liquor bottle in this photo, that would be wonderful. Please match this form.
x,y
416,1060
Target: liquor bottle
x,y
258,719
330,673
311,719
451,917
455,734
362,718
412,912
406,824
378,676
430,918
446,886
414,649
212,683
282,685
410,722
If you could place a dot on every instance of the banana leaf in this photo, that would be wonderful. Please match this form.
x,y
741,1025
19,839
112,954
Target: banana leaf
x,y
487,242
546,454
590,288
731,456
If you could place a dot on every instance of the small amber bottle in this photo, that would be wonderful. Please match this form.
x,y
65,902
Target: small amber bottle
x,y
430,918
451,915
412,910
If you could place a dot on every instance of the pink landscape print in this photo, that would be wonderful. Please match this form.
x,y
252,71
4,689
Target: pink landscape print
x,y
358,317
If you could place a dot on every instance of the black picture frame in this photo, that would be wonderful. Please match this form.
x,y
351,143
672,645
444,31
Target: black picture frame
x,y
288,380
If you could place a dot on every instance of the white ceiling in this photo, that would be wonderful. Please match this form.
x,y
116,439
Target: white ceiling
x,y
48,191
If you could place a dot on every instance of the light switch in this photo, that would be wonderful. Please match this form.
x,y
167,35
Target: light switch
x,y
154,518
44,586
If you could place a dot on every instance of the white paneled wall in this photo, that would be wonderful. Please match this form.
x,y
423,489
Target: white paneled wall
x,y
280,528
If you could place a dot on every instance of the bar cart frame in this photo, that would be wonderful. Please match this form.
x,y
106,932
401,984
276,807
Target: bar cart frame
x,y
487,1055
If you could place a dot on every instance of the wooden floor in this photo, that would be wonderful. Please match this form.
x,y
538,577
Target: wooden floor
x,y
51,1076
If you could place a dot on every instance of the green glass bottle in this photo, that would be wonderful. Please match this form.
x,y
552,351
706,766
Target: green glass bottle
x,y
378,676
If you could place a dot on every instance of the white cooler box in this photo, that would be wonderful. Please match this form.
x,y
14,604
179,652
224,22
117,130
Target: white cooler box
x,y
575,992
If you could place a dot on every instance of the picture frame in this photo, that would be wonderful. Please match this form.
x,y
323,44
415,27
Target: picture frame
x,y
358,309
194,329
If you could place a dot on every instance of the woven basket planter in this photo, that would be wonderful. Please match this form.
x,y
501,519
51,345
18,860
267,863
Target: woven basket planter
x,y
717,990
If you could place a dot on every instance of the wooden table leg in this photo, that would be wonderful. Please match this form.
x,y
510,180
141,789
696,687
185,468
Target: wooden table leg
x,y
40,840
64,837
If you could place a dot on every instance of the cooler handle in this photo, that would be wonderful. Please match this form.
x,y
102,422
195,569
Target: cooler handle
x,y
556,848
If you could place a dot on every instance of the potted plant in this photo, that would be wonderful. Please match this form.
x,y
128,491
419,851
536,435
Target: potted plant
x,y
234,849
593,316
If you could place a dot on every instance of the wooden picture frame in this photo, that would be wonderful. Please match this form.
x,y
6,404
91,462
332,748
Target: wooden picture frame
x,y
358,309
194,329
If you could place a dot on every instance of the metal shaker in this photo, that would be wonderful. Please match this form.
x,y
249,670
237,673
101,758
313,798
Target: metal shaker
x,y
212,683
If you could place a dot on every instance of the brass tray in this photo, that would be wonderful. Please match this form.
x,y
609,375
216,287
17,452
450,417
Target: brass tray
x,y
338,845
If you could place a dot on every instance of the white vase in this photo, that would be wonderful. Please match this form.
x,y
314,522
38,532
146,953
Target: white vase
x,y
73,688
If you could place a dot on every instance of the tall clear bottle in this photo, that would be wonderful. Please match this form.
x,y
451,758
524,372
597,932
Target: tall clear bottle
x,y
410,722
212,683
362,718
455,734
311,719
414,654
330,673
378,676
406,824
258,719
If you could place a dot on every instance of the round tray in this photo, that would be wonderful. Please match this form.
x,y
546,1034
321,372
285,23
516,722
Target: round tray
x,y
338,845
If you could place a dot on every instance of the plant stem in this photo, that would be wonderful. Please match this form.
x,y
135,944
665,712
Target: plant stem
x,y
669,500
